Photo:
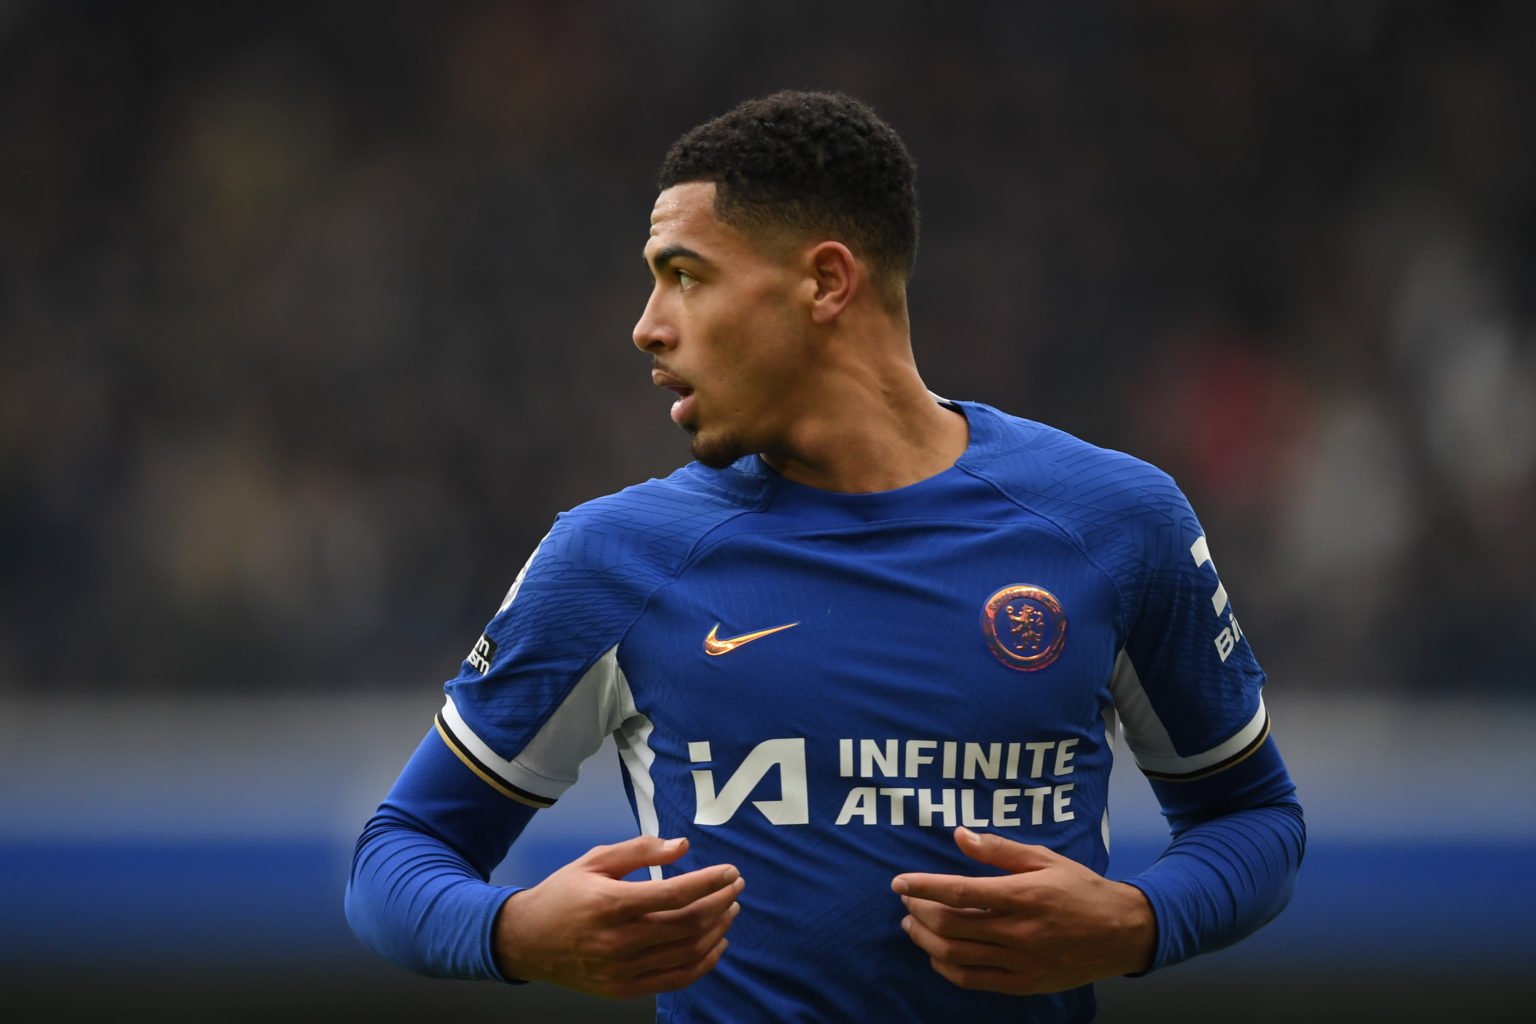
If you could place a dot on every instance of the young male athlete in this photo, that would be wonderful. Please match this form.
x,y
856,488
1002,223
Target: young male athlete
x,y
863,661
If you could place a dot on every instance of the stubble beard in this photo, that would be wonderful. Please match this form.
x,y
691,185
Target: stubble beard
x,y
717,452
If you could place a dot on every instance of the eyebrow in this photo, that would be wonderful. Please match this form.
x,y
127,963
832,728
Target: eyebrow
x,y
667,254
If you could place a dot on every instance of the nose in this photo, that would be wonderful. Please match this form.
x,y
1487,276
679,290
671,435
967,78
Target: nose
x,y
652,333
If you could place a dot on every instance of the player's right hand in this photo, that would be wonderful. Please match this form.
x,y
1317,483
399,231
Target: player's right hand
x,y
586,928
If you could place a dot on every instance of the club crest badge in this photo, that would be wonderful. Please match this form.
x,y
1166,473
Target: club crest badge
x,y
1024,626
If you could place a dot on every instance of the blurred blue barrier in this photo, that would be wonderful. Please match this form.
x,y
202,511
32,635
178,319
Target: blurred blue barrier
x,y
278,903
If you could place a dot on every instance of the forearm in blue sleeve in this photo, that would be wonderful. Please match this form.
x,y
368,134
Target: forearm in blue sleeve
x,y
1237,846
419,893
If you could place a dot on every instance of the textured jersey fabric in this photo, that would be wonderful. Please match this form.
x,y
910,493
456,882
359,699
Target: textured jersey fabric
x,y
818,687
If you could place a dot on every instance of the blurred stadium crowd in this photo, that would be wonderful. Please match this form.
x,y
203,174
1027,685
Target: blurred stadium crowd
x,y
313,316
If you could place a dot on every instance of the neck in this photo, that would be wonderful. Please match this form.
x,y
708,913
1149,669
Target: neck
x,y
871,426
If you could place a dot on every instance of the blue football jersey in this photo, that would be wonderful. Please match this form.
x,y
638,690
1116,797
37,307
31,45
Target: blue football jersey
x,y
818,687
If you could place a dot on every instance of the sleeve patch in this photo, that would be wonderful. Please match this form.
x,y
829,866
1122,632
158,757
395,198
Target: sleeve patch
x,y
484,653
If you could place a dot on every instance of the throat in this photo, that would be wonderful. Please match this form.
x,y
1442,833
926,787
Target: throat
x,y
870,461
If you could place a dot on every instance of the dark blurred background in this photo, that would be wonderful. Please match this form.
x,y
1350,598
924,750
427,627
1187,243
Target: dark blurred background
x,y
313,315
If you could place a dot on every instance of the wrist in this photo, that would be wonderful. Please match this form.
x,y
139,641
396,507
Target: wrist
x,y
507,948
1137,925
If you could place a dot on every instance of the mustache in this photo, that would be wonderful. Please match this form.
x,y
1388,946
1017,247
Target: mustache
x,y
664,377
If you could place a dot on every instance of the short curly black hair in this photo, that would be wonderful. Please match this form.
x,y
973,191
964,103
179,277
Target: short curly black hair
x,y
811,163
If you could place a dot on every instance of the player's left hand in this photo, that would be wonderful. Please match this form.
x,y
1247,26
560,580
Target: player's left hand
x,y
1049,925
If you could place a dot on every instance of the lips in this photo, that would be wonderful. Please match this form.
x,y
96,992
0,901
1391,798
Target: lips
x,y
679,387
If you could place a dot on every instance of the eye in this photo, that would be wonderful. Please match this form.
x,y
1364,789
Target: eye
x,y
685,280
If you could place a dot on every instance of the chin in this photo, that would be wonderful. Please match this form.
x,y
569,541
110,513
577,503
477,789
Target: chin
x,y
716,452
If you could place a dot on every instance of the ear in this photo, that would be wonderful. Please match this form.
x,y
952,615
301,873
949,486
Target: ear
x,y
837,277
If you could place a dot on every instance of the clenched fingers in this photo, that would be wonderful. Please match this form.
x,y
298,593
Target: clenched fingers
x,y
666,927
950,890
974,965
667,980
676,892
696,916
954,922
680,954
986,979
954,951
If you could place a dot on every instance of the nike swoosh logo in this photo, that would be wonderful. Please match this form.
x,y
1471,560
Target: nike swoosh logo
x,y
715,647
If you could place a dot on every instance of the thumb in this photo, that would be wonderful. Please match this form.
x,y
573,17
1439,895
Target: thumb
x,y
1003,853
619,859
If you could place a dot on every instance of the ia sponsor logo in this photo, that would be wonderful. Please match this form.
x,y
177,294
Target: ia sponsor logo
x,y
716,807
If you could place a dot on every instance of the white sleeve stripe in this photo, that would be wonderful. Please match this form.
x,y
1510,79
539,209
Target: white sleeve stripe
x,y
1144,732
486,775
550,762
633,739
1149,741
1246,738
510,773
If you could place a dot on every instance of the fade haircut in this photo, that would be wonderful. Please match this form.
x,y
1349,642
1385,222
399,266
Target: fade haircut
x,y
817,164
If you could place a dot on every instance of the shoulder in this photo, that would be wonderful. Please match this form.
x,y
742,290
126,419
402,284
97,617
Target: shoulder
x,y
648,529
1051,470
1127,516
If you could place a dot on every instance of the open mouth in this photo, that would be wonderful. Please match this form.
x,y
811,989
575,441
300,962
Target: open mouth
x,y
684,403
